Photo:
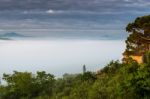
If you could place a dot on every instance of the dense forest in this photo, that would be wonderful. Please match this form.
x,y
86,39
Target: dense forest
x,y
114,81
128,80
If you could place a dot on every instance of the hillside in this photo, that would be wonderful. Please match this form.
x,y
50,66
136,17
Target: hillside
x,y
114,81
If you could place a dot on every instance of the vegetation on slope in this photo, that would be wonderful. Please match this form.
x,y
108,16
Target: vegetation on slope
x,y
114,81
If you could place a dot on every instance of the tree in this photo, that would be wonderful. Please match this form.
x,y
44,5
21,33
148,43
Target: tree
x,y
25,85
138,41
84,69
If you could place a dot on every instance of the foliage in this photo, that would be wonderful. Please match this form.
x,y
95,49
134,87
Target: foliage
x,y
139,36
114,81
24,85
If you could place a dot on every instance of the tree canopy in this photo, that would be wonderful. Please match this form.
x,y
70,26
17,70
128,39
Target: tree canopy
x,y
138,41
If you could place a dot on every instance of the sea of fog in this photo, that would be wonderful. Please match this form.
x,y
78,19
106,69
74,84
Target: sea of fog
x,y
58,56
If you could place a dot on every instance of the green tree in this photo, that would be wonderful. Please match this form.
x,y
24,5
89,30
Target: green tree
x,y
139,35
24,85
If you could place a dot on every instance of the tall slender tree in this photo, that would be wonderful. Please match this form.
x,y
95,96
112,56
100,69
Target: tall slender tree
x,y
84,69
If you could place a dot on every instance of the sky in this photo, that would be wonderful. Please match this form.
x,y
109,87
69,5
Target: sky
x,y
50,17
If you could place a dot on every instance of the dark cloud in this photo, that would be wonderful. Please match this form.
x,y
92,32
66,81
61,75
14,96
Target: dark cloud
x,y
70,14
92,5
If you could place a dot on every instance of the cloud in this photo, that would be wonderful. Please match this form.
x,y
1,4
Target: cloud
x,y
87,5
50,11
70,14
2,30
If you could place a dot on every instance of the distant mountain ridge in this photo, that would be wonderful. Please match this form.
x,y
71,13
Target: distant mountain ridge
x,y
1,38
12,34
